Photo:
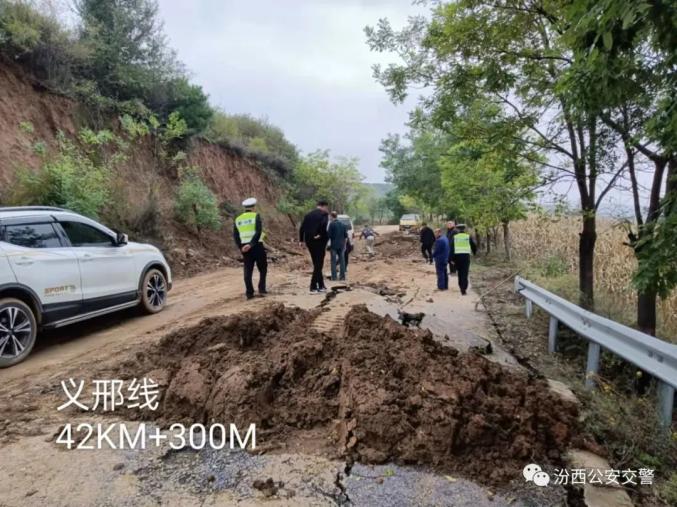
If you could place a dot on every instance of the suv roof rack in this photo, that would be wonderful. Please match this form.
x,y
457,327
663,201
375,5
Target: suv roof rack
x,y
31,208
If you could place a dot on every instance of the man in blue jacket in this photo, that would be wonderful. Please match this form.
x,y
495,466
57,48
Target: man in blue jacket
x,y
338,235
441,258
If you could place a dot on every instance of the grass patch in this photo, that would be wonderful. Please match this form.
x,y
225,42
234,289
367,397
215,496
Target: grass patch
x,y
628,428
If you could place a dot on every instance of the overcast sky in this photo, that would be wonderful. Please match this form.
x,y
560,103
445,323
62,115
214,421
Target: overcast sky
x,y
302,64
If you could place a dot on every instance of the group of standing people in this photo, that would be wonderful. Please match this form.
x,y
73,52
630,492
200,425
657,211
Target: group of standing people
x,y
321,231
451,249
319,228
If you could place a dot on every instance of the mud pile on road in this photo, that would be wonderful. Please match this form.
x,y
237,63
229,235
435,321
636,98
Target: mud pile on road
x,y
398,245
379,392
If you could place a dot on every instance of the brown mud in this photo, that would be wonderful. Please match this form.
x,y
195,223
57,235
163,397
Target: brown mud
x,y
398,246
375,392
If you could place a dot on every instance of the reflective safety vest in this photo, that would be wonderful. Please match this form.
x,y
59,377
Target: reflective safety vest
x,y
246,226
462,243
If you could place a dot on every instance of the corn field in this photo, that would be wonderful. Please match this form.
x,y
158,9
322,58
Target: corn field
x,y
546,247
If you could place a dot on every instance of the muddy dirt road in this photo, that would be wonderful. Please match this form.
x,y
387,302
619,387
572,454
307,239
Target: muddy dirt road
x,y
394,280
386,282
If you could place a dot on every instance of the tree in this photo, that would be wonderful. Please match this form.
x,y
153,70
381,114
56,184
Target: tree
x,y
338,181
39,42
511,53
623,70
115,60
254,135
486,172
189,101
128,50
318,176
361,204
367,205
657,253
394,204
378,209
195,204
75,177
411,165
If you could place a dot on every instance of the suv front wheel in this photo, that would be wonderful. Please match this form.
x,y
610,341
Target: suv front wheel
x,y
154,291
18,329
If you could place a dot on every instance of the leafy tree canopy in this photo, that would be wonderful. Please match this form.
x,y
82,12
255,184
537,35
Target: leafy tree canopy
x,y
254,135
319,176
116,59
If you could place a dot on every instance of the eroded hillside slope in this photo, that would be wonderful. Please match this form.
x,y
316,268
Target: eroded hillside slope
x,y
144,184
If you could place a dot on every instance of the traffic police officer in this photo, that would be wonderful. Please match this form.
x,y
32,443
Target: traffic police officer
x,y
248,235
461,247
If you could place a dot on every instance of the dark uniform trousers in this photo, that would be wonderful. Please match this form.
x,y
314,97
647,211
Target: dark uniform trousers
x,y
462,263
427,251
452,266
255,257
317,252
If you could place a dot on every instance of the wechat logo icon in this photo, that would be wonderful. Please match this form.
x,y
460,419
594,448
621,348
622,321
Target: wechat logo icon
x,y
533,473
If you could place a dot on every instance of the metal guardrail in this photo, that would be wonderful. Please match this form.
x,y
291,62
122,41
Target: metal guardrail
x,y
656,357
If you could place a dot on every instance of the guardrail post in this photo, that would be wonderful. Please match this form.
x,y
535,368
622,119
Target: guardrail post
x,y
593,364
666,398
552,334
530,309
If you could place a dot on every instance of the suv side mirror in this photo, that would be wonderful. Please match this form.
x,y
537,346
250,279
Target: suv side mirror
x,y
122,239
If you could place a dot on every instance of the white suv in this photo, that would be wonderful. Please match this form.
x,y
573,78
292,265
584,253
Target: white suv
x,y
58,268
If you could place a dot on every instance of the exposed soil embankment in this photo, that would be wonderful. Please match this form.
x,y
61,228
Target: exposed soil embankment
x,y
379,391
143,185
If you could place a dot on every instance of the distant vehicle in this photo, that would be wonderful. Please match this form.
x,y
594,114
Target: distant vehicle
x,y
348,222
411,222
58,268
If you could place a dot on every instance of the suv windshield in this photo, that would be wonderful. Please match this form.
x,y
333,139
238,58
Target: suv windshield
x,y
347,222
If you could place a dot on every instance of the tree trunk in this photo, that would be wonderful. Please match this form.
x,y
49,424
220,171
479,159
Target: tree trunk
x,y
646,312
586,254
506,240
646,301
488,242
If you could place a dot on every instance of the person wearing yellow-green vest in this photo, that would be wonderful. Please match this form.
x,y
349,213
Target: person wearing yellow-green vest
x,y
461,248
248,235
